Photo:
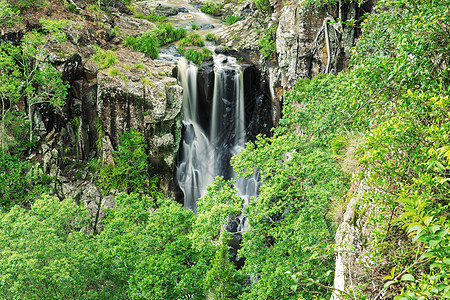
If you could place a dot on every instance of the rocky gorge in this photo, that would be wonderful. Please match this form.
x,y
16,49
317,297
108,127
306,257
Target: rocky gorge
x,y
259,52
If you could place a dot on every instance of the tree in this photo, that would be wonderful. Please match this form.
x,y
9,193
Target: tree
x,y
130,171
221,281
147,250
42,83
10,89
44,253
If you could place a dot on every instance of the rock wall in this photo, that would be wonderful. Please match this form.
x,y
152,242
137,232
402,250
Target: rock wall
x,y
308,41
353,242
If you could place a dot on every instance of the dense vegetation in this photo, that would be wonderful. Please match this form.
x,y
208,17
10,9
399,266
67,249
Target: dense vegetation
x,y
385,123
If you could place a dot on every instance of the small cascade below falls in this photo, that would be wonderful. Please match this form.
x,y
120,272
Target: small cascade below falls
x,y
213,129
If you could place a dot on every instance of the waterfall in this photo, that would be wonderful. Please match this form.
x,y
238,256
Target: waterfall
x,y
206,152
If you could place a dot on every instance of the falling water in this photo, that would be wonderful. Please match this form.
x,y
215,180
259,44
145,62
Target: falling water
x,y
206,152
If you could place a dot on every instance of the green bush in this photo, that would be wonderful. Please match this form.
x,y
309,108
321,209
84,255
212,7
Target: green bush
x,y
267,42
212,8
211,37
230,20
104,59
147,43
25,4
153,17
19,183
192,39
131,169
45,254
150,41
113,71
264,6
197,56
167,34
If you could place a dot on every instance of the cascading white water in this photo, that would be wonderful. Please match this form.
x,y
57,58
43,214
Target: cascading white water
x,y
206,152
192,173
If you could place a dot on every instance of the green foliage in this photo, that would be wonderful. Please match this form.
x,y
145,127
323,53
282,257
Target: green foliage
x,y
267,42
42,82
104,59
150,41
10,93
221,279
194,55
130,171
149,248
291,227
198,56
264,6
230,20
219,206
146,43
194,26
25,4
167,34
192,39
8,14
211,37
19,183
15,133
153,17
212,8
113,71
55,29
43,253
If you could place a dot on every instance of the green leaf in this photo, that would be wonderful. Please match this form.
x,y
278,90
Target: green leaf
x,y
389,283
408,277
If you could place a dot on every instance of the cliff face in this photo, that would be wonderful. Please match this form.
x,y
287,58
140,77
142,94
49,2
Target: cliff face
x,y
135,92
307,41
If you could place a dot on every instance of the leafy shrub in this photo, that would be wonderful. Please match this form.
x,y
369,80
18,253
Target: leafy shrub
x,y
113,71
264,6
167,34
104,59
25,4
19,183
230,20
194,26
147,43
152,242
130,171
212,8
192,39
46,255
8,14
267,43
153,17
211,37
150,41
197,56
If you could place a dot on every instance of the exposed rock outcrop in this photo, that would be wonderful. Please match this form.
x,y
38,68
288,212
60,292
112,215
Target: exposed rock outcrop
x,y
307,41
142,95
353,242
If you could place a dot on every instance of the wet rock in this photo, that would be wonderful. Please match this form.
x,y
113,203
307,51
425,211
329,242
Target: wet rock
x,y
205,26
220,50
166,10
182,10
